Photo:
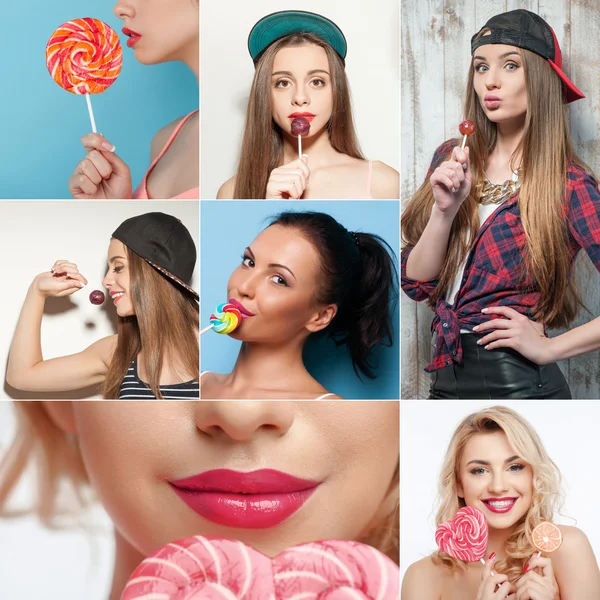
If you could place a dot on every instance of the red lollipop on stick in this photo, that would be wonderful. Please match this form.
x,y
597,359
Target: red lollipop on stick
x,y
300,127
465,537
466,128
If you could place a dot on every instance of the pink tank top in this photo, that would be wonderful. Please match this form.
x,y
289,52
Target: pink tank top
x,y
141,193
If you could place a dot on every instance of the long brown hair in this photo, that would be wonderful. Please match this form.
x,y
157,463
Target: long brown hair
x,y
166,322
262,144
547,153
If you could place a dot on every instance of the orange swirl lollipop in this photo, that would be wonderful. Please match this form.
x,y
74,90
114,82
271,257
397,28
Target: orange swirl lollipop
x,y
84,57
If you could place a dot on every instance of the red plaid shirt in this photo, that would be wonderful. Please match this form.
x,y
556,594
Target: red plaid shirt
x,y
493,266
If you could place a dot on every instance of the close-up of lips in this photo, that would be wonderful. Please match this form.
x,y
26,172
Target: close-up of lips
x,y
133,36
253,500
243,310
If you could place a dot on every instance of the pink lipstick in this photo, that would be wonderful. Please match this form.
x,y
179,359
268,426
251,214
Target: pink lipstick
x,y
500,505
243,310
252,500
134,37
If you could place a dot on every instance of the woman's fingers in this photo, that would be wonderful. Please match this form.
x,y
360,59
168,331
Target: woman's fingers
x,y
95,141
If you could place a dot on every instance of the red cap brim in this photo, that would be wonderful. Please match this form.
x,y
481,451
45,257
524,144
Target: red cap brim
x,y
572,92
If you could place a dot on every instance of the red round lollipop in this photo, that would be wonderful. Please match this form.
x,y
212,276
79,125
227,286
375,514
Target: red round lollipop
x,y
97,297
467,128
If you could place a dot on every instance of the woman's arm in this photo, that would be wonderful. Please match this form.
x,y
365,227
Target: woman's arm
x,y
27,370
451,183
386,182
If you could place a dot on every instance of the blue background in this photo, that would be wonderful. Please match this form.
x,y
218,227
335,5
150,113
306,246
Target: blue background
x,y
221,247
42,124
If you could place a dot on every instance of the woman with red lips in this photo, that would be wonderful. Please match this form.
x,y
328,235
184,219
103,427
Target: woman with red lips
x,y
304,274
497,463
491,237
270,474
299,60
159,31
155,352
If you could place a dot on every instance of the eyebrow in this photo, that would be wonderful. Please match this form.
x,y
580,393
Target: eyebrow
x,y
487,464
501,56
289,73
112,260
249,250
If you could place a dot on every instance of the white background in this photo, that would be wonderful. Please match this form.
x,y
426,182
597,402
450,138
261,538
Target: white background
x,y
372,64
36,563
568,430
35,234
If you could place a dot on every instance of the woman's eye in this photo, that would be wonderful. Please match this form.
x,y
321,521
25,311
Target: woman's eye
x,y
247,261
279,280
516,468
512,67
117,269
481,68
282,83
318,82
478,471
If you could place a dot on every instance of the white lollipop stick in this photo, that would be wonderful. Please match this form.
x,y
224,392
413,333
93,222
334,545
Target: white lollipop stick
x,y
91,111
464,142
482,561
299,146
206,329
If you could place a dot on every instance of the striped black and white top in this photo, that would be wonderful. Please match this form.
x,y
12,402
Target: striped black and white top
x,y
133,387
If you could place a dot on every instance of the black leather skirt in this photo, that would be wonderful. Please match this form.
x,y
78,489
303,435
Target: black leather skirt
x,y
497,374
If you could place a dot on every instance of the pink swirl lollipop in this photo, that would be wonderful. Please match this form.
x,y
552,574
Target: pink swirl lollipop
x,y
216,568
465,537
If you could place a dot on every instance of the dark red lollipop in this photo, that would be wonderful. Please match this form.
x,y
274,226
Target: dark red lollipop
x,y
300,126
97,297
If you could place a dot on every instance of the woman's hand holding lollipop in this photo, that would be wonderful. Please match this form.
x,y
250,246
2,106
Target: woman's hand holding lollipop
x,y
64,279
288,181
493,586
101,174
451,182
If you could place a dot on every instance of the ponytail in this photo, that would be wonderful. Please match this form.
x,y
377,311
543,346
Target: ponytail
x,y
359,275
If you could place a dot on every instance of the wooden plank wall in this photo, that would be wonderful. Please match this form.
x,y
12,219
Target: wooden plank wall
x,y
435,58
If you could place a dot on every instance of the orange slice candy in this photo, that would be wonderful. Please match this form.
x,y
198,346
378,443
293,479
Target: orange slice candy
x,y
547,537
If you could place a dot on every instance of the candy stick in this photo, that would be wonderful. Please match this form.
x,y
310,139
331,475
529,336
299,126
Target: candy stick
x,y
91,112
206,329
299,146
300,127
466,128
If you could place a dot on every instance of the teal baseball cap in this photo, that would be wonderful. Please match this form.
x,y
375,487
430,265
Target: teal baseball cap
x,y
286,22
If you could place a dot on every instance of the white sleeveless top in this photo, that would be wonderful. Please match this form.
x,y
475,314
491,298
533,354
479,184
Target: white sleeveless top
x,y
319,398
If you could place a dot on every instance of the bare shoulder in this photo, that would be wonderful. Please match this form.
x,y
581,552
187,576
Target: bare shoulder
x,y
386,181
423,581
161,137
226,190
574,543
575,566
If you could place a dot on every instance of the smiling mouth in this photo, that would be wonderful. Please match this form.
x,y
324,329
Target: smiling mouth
x,y
503,505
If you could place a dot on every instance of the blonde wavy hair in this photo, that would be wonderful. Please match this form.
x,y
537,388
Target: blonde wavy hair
x,y
56,455
547,494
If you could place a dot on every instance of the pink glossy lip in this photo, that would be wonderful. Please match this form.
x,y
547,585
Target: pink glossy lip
x,y
253,500
134,37
243,310
491,101
308,116
496,509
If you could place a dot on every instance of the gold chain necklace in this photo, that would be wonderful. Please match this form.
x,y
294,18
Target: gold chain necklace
x,y
496,193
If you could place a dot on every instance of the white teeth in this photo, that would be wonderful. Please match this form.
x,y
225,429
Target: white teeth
x,y
118,294
502,504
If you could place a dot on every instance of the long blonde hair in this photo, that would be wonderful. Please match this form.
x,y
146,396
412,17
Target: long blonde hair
x,y
547,153
547,494
41,443
262,144
165,320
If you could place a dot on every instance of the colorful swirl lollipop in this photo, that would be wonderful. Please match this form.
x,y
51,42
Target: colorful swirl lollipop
x,y
84,57
465,537
225,319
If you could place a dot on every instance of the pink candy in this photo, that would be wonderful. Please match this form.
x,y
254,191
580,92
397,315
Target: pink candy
x,y
211,568
465,537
